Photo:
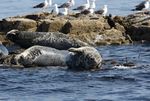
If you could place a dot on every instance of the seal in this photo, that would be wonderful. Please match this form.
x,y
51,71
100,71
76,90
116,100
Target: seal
x,y
83,58
51,39
41,56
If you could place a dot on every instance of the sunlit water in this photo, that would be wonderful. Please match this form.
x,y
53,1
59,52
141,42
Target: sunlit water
x,y
112,83
21,7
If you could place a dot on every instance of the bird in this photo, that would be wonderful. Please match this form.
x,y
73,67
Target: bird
x,y
68,4
84,6
102,11
93,6
64,13
56,9
50,3
42,5
87,11
143,5
110,21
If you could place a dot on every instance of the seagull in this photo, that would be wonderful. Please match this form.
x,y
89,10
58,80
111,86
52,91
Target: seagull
x,y
67,4
102,11
56,9
143,5
93,6
64,13
84,6
87,11
50,2
42,5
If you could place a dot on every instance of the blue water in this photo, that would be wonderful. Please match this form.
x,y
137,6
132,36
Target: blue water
x,y
22,7
58,84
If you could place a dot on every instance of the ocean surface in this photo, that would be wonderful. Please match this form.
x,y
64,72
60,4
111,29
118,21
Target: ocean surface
x,y
112,83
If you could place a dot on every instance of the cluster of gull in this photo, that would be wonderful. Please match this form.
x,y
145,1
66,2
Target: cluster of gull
x,y
87,8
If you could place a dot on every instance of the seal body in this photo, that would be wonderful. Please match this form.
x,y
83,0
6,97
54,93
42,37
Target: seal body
x,y
83,58
51,39
41,56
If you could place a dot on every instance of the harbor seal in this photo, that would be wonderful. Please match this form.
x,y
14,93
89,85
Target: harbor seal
x,y
41,56
51,39
83,58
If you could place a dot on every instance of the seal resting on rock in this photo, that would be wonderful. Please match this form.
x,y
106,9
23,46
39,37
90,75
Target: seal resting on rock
x,y
83,58
51,39
41,56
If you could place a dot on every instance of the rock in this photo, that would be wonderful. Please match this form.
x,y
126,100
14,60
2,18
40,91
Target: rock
x,y
138,27
111,36
50,25
21,24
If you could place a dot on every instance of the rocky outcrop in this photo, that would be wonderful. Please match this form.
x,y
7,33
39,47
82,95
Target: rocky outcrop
x,y
84,27
137,26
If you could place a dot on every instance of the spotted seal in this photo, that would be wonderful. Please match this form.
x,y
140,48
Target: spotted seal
x,y
51,39
83,58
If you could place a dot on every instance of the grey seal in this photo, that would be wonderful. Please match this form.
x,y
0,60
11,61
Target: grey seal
x,y
51,39
83,58
41,56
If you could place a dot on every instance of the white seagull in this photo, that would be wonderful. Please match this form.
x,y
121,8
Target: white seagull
x,y
102,11
56,9
42,5
93,5
143,5
88,11
68,4
64,13
84,6
50,2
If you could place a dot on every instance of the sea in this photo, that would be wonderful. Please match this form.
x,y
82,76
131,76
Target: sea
x,y
111,83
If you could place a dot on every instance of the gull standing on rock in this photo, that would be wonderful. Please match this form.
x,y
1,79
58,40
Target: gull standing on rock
x,y
64,13
102,11
50,2
56,9
143,5
42,5
68,4
84,6
93,5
